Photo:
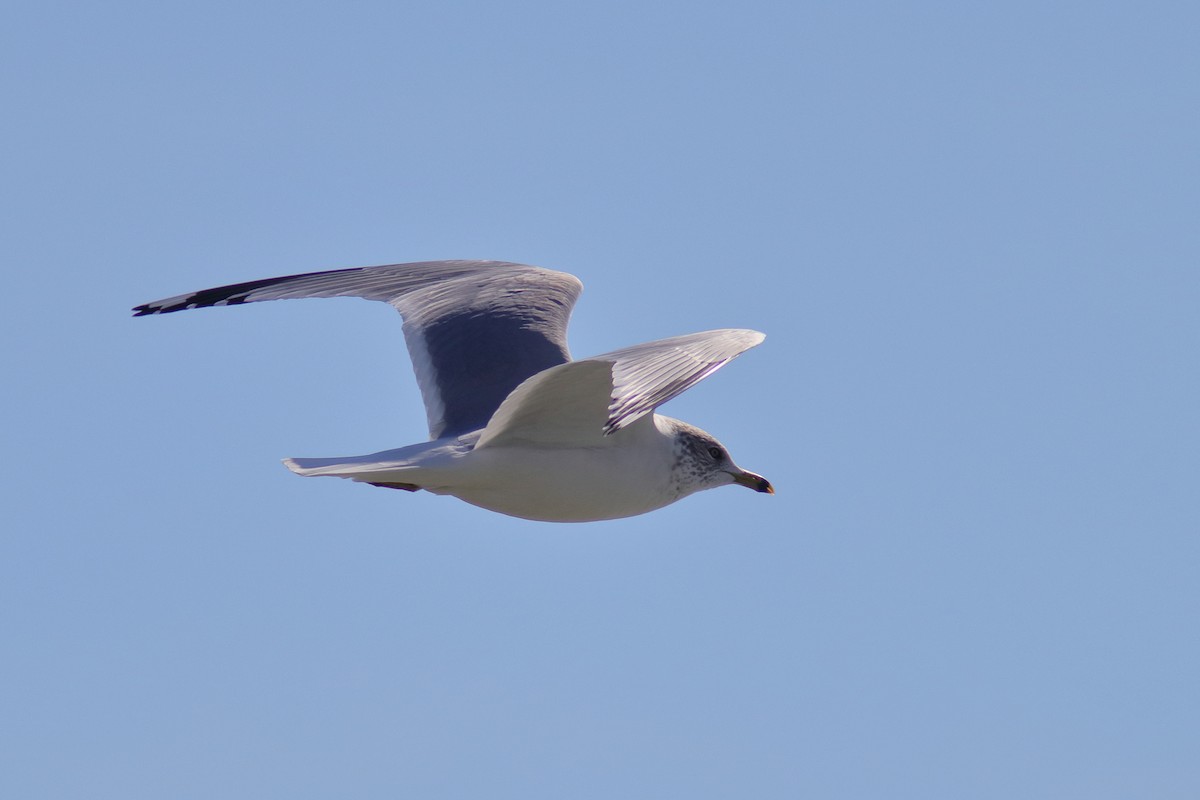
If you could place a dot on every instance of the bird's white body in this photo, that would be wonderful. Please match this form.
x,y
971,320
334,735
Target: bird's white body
x,y
625,474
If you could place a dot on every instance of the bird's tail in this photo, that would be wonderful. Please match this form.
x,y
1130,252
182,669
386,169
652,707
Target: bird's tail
x,y
360,468
413,467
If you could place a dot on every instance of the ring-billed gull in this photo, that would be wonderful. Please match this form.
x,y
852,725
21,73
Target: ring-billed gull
x,y
515,425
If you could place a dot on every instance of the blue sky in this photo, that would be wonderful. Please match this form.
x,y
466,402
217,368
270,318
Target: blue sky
x,y
968,230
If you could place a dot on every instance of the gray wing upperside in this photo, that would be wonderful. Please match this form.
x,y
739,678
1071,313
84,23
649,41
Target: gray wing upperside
x,y
585,401
474,329
647,375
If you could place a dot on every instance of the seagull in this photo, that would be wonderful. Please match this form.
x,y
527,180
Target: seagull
x,y
515,425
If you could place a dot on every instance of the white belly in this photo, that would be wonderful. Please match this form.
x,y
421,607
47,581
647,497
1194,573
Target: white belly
x,y
565,485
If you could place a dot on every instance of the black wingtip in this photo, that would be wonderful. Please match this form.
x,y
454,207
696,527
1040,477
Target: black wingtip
x,y
232,295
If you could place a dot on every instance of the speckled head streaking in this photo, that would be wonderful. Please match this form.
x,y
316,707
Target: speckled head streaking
x,y
701,462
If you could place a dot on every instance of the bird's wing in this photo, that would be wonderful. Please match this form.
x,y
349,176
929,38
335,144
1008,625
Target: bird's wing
x,y
647,375
583,402
475,329
565,406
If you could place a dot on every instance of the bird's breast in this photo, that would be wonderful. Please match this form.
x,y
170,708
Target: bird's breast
x,y
568,484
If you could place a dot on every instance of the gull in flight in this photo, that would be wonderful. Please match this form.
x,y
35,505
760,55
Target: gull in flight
x,y
515,425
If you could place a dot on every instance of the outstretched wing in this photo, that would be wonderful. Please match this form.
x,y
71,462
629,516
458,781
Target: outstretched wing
x,y
475,329
584,401
647,375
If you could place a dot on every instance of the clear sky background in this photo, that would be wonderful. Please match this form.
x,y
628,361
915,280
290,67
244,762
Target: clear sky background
x,y
968,230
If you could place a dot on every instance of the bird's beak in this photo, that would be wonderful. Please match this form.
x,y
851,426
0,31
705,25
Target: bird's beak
x,y
751,481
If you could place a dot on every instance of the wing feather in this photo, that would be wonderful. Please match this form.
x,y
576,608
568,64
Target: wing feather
x,y
475,329
581,403
647,375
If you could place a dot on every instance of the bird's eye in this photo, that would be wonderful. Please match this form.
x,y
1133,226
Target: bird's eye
x,y
716,453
